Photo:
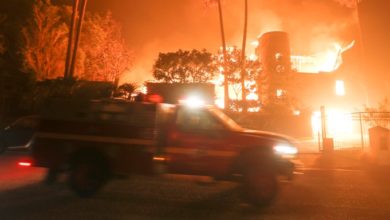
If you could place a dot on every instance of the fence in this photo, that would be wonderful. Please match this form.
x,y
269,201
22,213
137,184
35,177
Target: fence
x,y
350,130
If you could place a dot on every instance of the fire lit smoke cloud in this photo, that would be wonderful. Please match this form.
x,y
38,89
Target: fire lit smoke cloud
x,y
349,3
160,26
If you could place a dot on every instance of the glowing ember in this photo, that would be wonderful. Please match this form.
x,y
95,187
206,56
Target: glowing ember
x,y
253,57
279,92
252,96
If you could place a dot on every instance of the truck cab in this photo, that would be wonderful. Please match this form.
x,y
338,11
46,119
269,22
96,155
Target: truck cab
x,y
205,141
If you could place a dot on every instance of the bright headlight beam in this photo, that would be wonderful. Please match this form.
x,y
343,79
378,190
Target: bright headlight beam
x,y
285,149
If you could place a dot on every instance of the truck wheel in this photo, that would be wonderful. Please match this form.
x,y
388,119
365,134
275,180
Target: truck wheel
x,y
259,187
88,175
51,176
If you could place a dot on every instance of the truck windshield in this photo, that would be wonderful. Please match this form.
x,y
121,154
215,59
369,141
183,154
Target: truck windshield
x,y
226,120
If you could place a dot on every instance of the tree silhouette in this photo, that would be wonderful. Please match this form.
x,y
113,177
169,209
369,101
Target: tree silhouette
x,y
184,67
102,55
44,41
379,115
125,90
107,56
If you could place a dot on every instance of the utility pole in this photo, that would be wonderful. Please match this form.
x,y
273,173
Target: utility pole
x,y
243,59
74,34
225,73
70,38
76,43
323,124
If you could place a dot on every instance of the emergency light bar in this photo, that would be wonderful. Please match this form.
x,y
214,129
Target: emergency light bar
x,y
193,102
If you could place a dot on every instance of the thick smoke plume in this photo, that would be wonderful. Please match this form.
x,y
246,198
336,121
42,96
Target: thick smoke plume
x,y
348,3
158,26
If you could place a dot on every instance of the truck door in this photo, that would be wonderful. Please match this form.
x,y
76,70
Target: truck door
x,y
198,142
20,132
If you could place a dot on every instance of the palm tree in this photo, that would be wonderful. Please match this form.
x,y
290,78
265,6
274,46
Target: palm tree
x,y
243,63
226,84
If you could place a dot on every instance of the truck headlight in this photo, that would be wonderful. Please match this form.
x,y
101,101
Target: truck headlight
x,y
285,150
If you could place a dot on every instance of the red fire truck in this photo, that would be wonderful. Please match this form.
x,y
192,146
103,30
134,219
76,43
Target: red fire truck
x,y
110,138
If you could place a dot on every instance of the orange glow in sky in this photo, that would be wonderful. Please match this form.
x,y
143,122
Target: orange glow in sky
x,y
152,27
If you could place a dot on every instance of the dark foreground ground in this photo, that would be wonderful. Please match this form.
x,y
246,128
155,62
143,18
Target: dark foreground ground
x,y
337,186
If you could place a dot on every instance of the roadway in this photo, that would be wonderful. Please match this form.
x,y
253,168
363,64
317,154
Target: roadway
x,y
325,187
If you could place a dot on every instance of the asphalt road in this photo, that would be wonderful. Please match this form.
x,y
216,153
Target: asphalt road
x,y
317,192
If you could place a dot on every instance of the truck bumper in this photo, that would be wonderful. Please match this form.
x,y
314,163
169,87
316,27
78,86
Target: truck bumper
x,y
285,168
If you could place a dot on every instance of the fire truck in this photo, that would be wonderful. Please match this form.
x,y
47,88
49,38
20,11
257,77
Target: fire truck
x,y
110,138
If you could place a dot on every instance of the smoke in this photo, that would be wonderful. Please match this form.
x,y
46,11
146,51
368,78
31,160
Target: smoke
x,y
313,25
348,3
161,26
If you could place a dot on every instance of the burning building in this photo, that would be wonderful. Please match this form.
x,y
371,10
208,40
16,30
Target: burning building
x,y
314,80
324,79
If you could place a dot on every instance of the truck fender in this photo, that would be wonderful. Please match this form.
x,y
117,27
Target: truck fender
x,y
254,157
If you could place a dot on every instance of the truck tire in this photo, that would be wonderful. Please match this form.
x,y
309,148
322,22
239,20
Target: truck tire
x,y
88,174
259,187
51,176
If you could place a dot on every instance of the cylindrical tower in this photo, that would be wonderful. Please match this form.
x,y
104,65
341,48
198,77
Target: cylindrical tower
x,y
274,51
274,55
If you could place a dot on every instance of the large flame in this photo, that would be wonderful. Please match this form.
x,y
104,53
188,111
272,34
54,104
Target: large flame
x,y
326,61
338,123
